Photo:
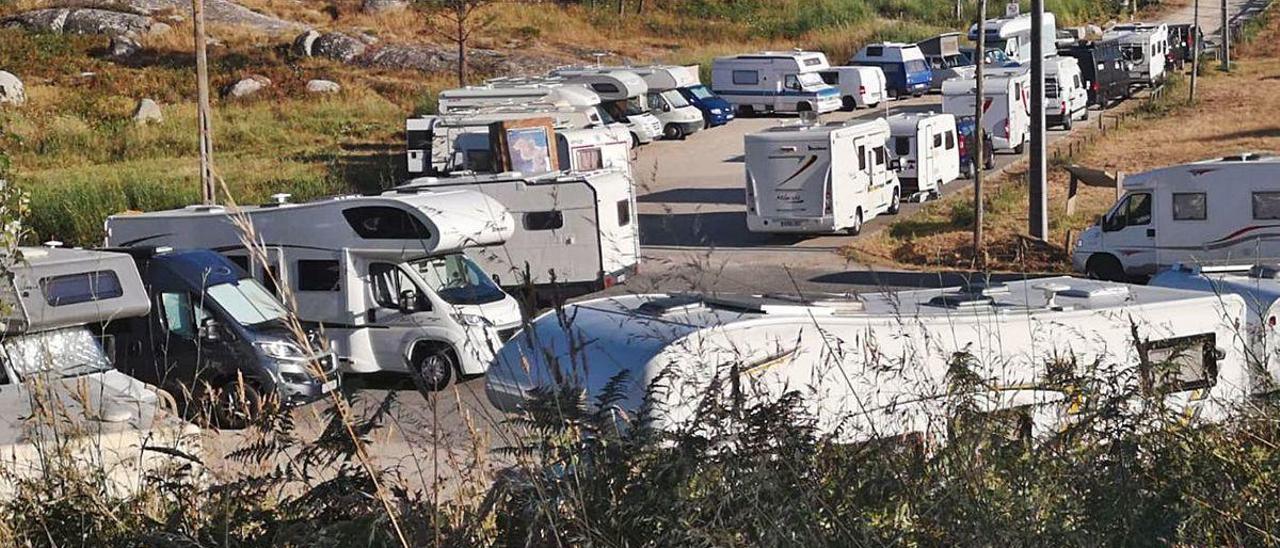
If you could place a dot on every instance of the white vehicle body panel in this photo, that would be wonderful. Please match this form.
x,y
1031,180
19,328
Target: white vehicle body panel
x,y
929,149
1007,99
864,86
775,81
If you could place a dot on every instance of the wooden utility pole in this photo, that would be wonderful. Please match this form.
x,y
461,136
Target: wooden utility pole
x,y
1226,39
980,60
1193,42
1038,208
208,192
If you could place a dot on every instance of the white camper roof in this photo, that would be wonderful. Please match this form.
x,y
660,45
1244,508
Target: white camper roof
x,y
807,60
520,93
1246,168
889,51
807,132
59,287
609,85
995,81
604,177
665,77
905,123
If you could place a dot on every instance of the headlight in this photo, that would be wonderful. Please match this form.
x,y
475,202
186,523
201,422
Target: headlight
x,y
281,350
715,111
473,320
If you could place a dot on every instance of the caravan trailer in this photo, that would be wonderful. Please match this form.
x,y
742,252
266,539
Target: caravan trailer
x,y
1065,97
1204,212
385,276
53,353
623,94
880,365
820,178
905,69
928,151
1144,48
775,81
1007,112
575,233
1012,35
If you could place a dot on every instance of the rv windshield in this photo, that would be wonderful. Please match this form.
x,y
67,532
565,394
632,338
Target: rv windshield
x,y
700,91
247,302
69,352
674,98
810,79
458,280
636,105
605,117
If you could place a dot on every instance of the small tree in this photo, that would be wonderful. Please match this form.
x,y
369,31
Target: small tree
x,y
457,21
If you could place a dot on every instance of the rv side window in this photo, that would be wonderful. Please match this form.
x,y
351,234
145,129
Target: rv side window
x,y
322,275
951,140
875,51
902,146
385,223
624,212
241,261
937,140
746,77
791,82
604,88
543,220
588,159
81,288
830,77
179,315
862,158
1190,206
1266,205
880,156
1179,364
389,282
1134,210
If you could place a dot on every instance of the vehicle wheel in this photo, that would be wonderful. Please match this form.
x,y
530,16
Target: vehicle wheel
x,y
1104,267
236,404
1021,146
989,158
873,105
967,169
672,132
746,110
893,94
1086,114
895,205
431,369
935,194
850,104
635,141
856,229
803,106
1066,121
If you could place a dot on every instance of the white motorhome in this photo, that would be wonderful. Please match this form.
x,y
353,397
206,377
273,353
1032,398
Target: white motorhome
x,y
882,365
623,94
1227,209
928,150
459,142
1006,105
679,118
1144,48
385,276
775,81
1012,35
575,233
58,387
1259,286
1065,96
860,87
820,178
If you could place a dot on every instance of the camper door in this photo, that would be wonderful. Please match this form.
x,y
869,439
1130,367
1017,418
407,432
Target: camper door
x,y
1129,232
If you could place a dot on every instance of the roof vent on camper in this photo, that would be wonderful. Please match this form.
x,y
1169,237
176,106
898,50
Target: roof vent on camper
x,y
1051,291
670,303
281,198
962,299
1265,271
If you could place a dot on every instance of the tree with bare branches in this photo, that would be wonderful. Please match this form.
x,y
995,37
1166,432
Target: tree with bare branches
x,y
457,21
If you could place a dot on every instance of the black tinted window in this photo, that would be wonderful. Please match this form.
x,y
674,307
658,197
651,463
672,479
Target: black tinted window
x,y
543,220
605,88
902,146
319,276
240,261
81,288
624,212
385,223
875,51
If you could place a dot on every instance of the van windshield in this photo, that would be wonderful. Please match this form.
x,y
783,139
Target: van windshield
x,y
636,105
700,91
69,352
810,79
916,66
674,98
247,302
605,117
458,280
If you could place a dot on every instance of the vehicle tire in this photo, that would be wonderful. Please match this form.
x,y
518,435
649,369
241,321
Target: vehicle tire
x,y
1102,266
895,205
873,105
431,368
850,104
893,94
856,229
803,106
672,132
635,141
1021,147
935,194
237,404
989,158
746,111
1085,118
1067,121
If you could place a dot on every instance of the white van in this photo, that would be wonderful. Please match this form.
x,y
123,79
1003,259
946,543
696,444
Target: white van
x,y
575,233
386,276
928,150
775,81
860,87
883,365
1144,48
1006,116
1065,97
623,94
1226,209
1012,35
679,118
820,178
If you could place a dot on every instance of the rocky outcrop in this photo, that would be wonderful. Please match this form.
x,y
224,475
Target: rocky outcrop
x,y
323,86
222,12
337,46
12,92
85,21
247,87
147,112
374,7
302,44
139,16
123,47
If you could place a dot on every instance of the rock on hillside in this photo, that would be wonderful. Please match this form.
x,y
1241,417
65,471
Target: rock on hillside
x,y
423,57
120,16
11,90
223,12
85,21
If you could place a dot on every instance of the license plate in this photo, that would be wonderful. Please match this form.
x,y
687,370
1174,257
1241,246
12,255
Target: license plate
x,y
329,386
790,223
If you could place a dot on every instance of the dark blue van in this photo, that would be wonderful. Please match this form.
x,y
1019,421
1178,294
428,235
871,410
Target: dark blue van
x,y
212,324
715,110
904,66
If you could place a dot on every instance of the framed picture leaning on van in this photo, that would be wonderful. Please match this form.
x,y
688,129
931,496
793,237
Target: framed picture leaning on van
x,y
526,146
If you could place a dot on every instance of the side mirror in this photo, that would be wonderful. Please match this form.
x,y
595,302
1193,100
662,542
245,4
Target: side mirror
x,y
666,108
209,330
408,301
895,164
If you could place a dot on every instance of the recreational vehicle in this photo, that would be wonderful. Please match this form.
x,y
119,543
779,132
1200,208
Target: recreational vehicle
x,y
928,151
942,52
820,178
623,94
385,276
1065,97
883,365
904,67
1144,47
1006,111
1012,35
575,233
860,87
58,388
214,326
775,81
1226,209
678,116
1259,286
1103,70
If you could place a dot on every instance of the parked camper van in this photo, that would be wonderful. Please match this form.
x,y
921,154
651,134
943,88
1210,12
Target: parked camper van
x,y
881,365
860,87
1213,211
1144,47
212,326
775,81
928,150
715,110
385,275
678,116
942,52
1007,115
820,178
1013,35
903,65
55,299
623,94
575,233
1065,97
1259,286
1103,70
